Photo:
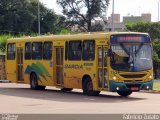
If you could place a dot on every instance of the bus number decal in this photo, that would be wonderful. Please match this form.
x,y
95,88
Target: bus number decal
x,y
88,64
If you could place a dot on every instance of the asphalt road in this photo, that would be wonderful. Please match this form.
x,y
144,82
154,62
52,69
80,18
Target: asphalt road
x,y
19,99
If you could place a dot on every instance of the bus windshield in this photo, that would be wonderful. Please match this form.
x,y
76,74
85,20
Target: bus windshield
x,y
131,57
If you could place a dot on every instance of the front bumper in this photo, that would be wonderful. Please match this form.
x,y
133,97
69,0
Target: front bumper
x,y
121,86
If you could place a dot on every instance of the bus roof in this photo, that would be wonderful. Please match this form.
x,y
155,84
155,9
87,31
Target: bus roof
x,y
80,36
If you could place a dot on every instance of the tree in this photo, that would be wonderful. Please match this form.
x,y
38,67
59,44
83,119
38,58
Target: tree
x,y
21,17
83,12
15,16
3,40
152,28
48,19
156,57
97,27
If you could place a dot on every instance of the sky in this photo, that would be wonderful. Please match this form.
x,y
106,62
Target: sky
x,y
122,7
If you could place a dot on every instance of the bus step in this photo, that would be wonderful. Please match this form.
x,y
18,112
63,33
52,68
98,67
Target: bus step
x,y
5,81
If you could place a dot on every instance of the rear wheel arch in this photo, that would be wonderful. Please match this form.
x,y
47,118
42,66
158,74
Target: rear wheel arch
x,y
34,82
84,78
87,86
32,74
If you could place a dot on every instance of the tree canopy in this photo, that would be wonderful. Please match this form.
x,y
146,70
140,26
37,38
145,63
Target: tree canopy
x,y
21,17
152,28
83,13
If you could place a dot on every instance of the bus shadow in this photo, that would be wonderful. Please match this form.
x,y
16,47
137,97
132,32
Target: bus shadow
x,y
57,95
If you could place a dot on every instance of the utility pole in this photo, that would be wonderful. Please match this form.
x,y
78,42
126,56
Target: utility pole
x,y
113,16
158,10
39,22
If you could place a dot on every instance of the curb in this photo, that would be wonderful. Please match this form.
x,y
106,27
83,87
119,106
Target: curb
x,y
153,91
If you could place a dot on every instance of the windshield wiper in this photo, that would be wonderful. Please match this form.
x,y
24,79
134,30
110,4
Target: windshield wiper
x,y
140,46
124,48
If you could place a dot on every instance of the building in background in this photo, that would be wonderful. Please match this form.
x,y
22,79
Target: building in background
x,y
118,25
116,18
145,17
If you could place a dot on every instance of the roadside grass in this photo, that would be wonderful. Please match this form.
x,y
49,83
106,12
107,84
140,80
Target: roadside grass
x,y
156,86
3,40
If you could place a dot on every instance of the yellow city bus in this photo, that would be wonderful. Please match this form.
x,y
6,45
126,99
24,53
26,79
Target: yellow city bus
x,y
111,61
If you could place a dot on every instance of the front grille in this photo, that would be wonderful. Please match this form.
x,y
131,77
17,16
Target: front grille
x,y
133,76
133,81
133,85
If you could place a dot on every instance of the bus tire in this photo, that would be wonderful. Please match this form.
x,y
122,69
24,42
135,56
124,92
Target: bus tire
x,y
66,89
41,87
124,93
88,88
33,81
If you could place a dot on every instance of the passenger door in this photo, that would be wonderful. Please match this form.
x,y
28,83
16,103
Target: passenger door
x,y
59,55
20,74
102,67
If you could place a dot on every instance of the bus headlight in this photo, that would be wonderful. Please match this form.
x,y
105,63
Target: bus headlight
x,y
150,77
114,78
147,87
117,88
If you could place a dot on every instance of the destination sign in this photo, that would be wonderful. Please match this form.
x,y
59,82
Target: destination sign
x,y
130,38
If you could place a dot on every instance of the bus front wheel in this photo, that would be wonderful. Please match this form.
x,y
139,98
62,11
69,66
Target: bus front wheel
x,y
34,83
88,88
124,93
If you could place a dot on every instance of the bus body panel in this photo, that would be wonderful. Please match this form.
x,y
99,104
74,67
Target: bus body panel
x,y
65,73
42,69
11,73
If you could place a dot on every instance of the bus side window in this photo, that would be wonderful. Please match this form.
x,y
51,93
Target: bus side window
x,y
89,50
66,50
47,50
75,50
37,50
28,51
11,51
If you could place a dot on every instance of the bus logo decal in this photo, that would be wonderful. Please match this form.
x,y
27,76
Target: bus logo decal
x,y
73,66
39,69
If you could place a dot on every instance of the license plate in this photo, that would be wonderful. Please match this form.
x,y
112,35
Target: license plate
x,y
134,88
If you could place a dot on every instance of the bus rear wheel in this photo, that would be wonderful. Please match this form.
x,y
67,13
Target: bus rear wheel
x,y
124,93
34,83
88,88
